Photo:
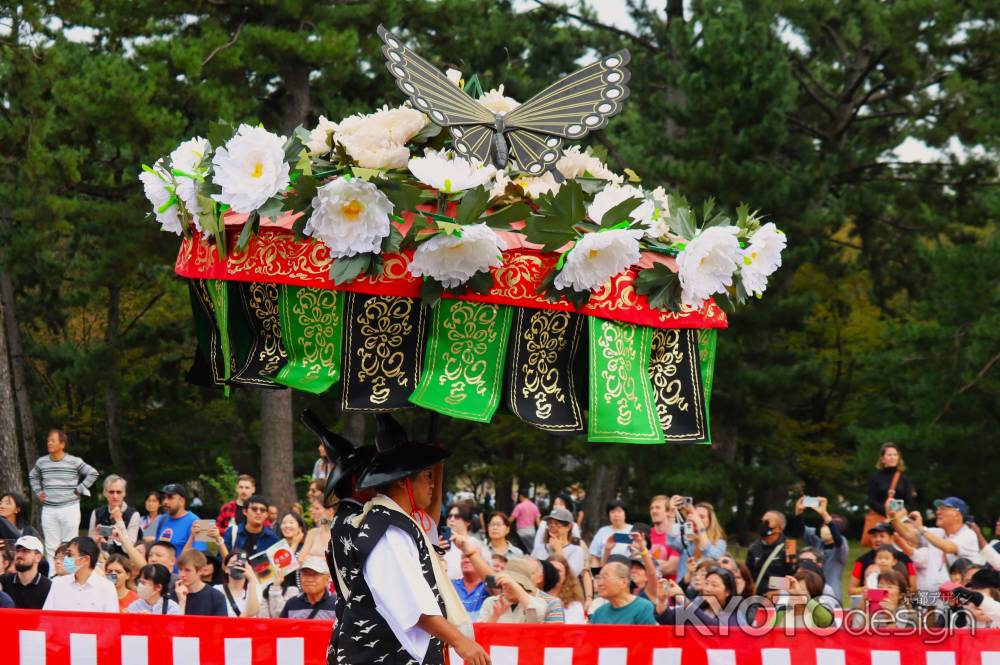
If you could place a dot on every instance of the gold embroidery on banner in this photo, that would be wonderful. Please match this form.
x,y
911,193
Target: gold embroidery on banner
x,y
518,277
664,362
470,329
278,255
385,325
545,339
618,346
264,305
316,311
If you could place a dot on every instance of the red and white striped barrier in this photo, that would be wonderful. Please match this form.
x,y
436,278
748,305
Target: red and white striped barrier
x,y
65,638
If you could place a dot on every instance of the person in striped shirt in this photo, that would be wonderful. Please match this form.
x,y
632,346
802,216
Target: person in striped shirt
x,y
59,480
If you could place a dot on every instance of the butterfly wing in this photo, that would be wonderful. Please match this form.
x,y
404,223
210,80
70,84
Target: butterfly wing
x,y
473,141
534,153
429,90
571,108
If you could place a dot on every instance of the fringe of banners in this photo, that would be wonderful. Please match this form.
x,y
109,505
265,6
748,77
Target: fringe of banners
x,y
463,359
67,638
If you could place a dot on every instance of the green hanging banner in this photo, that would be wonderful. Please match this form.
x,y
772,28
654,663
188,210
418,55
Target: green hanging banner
x,y
312,322
707,340
464,364
219,293
622,409
675,372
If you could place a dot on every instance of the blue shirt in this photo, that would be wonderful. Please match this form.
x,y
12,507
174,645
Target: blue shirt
x,y
176,530
473,600
236,539
637,613
6,602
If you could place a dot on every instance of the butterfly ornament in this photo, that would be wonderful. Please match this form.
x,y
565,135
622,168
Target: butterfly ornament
x,y
530,135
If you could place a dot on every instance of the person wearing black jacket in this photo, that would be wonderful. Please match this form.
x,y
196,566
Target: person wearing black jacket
x,y
880,482
774,553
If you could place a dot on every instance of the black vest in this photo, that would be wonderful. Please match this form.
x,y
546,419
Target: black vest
x,y
338,556
102,516
365,637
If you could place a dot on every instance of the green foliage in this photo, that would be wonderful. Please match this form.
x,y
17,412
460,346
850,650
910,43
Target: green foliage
x,y
223,482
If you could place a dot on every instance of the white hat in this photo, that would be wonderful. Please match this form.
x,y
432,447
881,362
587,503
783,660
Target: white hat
x,y
30,543
315,563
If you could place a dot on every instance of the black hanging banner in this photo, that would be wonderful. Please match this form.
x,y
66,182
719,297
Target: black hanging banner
x,y
209,366
257,334
383,352
675,372
539,383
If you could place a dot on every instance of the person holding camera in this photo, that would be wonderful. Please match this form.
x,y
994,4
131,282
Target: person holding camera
x,y
239,586
104,518
518,601
771,555
888,482
612,538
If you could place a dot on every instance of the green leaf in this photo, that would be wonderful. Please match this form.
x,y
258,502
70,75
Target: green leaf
x,y
298,227
481,282
503,218
403,196
548,232
392,242
219,132
632,176
272,208
302,196
620,212
473,87
410,239
376,266
304,164
346,269
681,222
249,229
474,203
661,286
302,134
431,291
449,228
292,147
429,131
365,174
568,205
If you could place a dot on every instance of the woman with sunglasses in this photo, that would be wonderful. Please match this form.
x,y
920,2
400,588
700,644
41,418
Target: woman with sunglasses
x,y
711,606
458,519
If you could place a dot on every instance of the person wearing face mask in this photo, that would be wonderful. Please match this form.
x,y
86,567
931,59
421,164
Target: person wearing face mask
x,y
81,590
154,580
403,599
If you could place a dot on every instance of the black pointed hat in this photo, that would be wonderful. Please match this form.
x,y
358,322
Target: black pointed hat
x,y
350,461
397,458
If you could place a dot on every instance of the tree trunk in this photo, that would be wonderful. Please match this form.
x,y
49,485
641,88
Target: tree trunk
x,y
277,444
276,449
353,428
604,486
29,444
11,477
111,399
505,486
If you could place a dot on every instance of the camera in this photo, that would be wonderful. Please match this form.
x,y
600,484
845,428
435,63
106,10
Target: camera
x,y
236,569
810,502
112,577
105,531
688,501
895,504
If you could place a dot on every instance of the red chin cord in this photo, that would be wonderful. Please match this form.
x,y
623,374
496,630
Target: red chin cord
x,y
418,514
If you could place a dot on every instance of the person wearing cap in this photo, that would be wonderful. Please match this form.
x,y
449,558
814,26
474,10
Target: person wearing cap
x,y
315,601
176,522
880,534
559,539
518,601
402,605
27,587
603,545
950,539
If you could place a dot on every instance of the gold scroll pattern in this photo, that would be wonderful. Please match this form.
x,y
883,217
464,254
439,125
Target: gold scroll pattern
x,y
545,339
470,330
264,305
665,361
385,326
620,350
316,311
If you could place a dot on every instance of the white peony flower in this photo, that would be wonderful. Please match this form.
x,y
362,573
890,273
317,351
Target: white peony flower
x,y
761,257
535,187
597,257
499,187
378,140
658,226
190,157
251,168
454,76
707,264
576,162
454,260
612,195
350,217
449,172
319,138
155,183
495,101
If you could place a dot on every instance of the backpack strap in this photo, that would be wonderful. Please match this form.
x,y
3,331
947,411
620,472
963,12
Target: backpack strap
x,y
232,601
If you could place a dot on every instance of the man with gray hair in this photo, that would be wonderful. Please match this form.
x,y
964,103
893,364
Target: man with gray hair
x,y
116,511
621,608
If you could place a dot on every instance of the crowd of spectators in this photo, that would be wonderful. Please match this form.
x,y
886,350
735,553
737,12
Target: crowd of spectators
x,y
526,567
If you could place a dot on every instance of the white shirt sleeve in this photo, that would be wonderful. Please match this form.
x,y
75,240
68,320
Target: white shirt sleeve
x,y
575,613
597,544
400,592
990,555
968,545
575,558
